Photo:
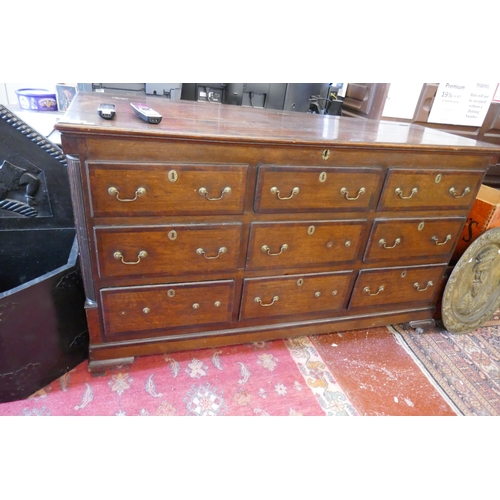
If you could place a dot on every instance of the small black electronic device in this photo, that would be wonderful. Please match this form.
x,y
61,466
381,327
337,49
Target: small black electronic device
x,y
146,113
106,111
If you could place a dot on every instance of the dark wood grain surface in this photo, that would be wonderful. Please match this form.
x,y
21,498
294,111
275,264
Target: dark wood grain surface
x,y
229,207
187,119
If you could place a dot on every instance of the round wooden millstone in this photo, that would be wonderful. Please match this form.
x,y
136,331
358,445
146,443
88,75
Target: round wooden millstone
x,y
472,293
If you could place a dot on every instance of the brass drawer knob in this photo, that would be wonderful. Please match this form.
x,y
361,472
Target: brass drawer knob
x,y
114,192
417,286
267,250
399,192
383,243
276,191
435,239
146,310
141,255
204,192
258,300
221,251
453,192
366,289
345,192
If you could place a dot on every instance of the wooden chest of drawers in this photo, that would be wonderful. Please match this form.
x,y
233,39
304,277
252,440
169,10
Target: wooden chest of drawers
x,y
225,225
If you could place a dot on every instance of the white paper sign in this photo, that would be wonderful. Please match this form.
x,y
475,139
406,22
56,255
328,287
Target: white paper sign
x,y
462,103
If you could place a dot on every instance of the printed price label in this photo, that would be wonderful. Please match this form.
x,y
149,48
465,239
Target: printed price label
x,y
462,103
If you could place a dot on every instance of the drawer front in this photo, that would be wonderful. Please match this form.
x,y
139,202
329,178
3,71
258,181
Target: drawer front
x,y
407,189
290,244
160,189
403,239
296,189
384,287
172,249
134,309
299,294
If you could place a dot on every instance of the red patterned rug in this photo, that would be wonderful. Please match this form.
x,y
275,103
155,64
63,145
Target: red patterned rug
x,y
465,369
264,378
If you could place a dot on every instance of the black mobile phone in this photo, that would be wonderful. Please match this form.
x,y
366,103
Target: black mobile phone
x,y
106,111
146,113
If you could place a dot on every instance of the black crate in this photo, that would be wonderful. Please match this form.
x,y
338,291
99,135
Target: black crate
x,y
43,329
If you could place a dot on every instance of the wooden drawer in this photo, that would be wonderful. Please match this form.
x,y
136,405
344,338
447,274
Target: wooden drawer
x,y
403,239
132,189
408,189
299,294
134,309
290,244
385,287
172,249
299,189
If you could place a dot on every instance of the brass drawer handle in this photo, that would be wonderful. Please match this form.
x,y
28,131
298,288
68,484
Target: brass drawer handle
x,y
399,192
435,239
366,289
276,191
203,192
453,192
222,250
114,192
383,243
259,301
267,250
345,192
417,286
141,255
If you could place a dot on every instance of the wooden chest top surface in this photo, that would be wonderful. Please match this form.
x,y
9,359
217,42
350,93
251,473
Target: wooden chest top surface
x,y
216,122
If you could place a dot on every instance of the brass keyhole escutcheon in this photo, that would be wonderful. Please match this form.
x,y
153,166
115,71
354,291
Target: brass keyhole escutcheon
x,y
438,178
171,293
322,177
421,226
310,230
300,282
172,235
403,274
173,176
326,154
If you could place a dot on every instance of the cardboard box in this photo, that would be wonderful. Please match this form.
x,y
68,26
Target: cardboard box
x,y
484,215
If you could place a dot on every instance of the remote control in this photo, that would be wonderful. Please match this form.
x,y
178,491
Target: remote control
x,y
146,113
106,111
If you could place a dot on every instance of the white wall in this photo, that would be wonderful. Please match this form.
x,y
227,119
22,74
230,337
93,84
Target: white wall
x,y
3,94
8,90
402,100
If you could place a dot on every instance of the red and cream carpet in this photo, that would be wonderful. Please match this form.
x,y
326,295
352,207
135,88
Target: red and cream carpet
x,y
381,371
265,378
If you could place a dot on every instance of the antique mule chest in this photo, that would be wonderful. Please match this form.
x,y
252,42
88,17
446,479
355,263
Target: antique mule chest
x,y
225,224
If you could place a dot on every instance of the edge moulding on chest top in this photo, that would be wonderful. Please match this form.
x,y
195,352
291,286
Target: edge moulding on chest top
x,y
226,225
